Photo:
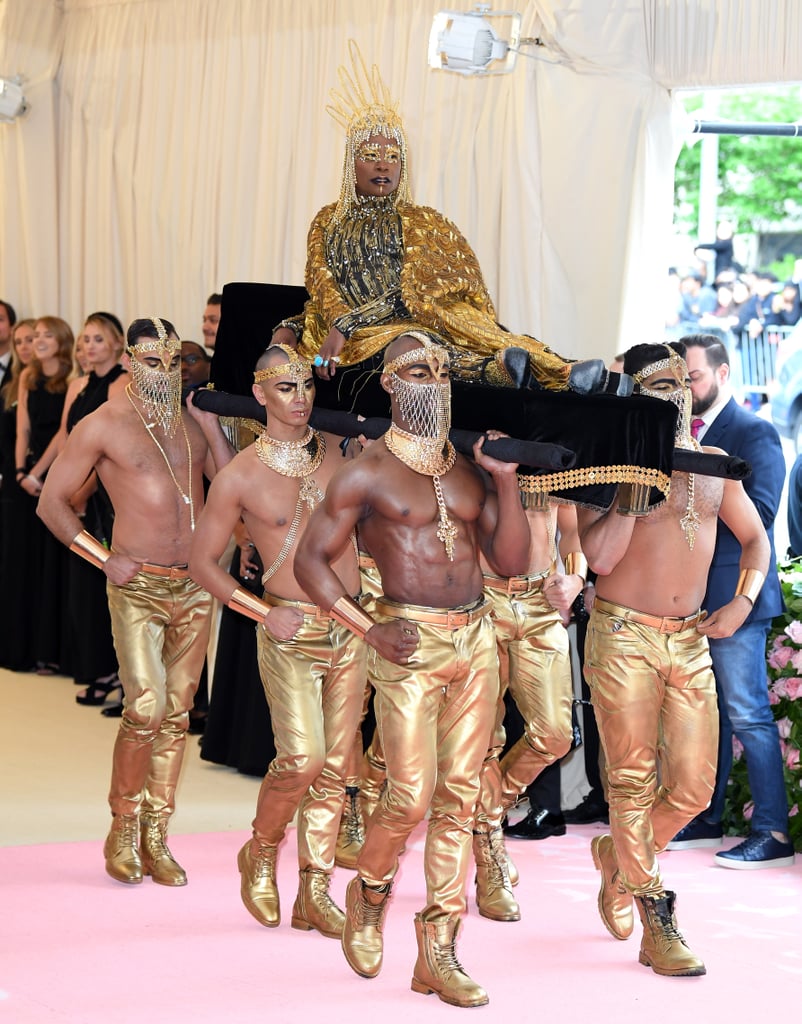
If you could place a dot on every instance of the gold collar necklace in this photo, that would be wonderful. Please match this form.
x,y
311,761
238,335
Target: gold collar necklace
x,y
299,459
296,458
186,496
429,456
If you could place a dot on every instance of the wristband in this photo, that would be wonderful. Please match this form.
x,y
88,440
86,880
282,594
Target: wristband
x,y
248,604
347,612
633,499
90,549
576,565
21,474
750,583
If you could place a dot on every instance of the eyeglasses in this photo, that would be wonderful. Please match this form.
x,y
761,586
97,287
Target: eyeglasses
x,y
191,360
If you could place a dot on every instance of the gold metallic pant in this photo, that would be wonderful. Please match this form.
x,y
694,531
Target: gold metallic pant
x,y
160,628
314,685
434,717
655,701
535,663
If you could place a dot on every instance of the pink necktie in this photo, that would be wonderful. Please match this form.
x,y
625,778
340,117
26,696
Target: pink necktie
x,y
696,426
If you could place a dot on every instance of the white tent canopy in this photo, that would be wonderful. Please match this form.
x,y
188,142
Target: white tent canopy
x,y
175,145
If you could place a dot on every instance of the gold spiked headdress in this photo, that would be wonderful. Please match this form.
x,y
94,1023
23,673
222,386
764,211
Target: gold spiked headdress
x,y
364,107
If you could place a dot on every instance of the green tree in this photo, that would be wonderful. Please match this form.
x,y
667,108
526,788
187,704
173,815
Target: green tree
x,y
760,176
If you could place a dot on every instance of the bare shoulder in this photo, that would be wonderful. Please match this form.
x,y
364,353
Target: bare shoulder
x,y
75,387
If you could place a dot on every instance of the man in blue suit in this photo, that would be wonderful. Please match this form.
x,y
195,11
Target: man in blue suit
x,y
739,661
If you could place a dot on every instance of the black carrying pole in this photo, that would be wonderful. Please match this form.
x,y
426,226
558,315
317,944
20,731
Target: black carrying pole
x,y
532,454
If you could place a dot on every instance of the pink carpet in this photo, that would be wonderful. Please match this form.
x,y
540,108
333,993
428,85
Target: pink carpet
x,y
77,947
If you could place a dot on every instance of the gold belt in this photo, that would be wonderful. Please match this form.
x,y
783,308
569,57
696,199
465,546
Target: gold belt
x,y
303,606
168,572
664,623
516,584
366,562
451,618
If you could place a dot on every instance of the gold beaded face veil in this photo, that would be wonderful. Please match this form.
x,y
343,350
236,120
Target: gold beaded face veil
x,y
363,107
681,397
158,388
426,409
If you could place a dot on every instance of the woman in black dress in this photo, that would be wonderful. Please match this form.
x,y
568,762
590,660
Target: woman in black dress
x,y
42,389
94,662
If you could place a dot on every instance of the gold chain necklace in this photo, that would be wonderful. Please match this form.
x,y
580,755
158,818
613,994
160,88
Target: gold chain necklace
x,y
430,457
186,497
299,458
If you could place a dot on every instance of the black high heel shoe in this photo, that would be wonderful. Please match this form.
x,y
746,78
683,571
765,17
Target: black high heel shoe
x,y
98,692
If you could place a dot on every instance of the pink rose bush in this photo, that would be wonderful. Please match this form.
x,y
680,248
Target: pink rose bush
x,y
784,681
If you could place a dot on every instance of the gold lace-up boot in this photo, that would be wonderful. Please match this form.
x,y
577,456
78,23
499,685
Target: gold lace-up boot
x,y
351,835
157,861
314,907
362,938
615,901
121,849
662,947
258,885
494,895
437,968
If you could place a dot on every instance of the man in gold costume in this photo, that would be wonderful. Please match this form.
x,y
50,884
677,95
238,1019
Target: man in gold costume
x,y
378,264
312,668
648,665
150,456
424,513
535,664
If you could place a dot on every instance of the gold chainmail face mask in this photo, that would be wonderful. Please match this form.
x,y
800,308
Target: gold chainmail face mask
x,y
426,409
158,388
681,397
364,107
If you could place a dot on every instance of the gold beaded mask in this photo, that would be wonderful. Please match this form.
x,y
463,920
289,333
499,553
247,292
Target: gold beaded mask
x,y
679,396
426,408
158,388
299,370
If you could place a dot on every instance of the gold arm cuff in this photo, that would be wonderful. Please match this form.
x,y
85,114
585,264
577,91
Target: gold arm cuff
x,y
633,499
347,612
248,604
85,545
576,565
750,583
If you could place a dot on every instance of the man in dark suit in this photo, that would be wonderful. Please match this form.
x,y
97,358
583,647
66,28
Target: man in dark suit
x,y
7,320
739,661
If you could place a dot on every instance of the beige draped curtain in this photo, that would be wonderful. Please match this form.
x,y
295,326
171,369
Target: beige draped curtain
x,y
175,145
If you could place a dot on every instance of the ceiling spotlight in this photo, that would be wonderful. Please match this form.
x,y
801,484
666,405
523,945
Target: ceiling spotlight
x,y
12,100
468,44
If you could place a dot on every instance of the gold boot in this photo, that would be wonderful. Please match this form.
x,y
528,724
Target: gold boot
x,y
437,968
615,901
512,868
314,908
258,886
121,849
362,939
351,835
494,896
157,861
662,947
